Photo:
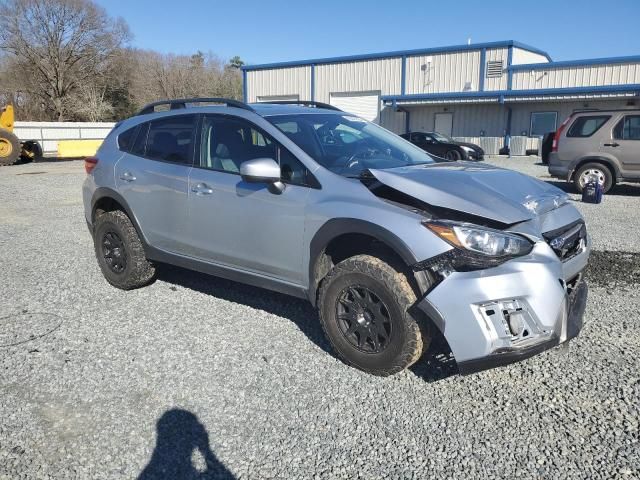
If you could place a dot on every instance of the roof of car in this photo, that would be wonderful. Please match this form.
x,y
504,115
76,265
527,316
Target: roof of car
x,y
267,109
219,103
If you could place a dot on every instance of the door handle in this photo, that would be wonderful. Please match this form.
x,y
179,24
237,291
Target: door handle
x,y
614,144
202,189
127,177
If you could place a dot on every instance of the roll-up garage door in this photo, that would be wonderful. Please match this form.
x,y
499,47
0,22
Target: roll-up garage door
x,y
365,105
278,98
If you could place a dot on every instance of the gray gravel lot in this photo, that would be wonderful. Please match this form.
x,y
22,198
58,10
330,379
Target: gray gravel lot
x,y
199,375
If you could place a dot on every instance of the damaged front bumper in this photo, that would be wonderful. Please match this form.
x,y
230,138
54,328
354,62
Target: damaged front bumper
x,y
505,314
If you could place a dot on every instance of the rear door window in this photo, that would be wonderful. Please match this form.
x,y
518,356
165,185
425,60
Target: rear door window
x,y
586,126
628,128
172,139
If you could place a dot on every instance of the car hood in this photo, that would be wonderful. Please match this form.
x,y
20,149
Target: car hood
x,y
486,191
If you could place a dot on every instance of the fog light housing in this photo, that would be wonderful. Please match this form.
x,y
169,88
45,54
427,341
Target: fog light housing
x,y
516,323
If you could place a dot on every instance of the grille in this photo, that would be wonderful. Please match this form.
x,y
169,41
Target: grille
x,y
494,68
567,241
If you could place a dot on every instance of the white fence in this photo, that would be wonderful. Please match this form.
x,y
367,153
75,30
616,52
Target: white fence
x,y
47,134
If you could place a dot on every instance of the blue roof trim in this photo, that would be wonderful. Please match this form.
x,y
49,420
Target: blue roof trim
x,y
572,63
398,54
529,48
632,88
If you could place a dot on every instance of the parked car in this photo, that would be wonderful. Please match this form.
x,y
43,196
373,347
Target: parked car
x,y
389,245
545,147
604,145
444,146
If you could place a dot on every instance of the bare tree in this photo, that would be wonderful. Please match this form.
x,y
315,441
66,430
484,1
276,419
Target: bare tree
x,y
157,76
59,46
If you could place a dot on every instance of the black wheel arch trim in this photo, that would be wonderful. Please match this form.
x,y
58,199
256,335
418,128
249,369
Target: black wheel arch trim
x,y
105,192
341,226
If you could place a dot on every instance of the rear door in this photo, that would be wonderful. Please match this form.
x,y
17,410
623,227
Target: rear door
x,y
153,179
444,123
625,145
246,226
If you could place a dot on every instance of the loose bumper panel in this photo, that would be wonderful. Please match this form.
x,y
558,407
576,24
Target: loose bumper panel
x,y
505,314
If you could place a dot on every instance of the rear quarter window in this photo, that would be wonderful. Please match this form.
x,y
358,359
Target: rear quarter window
x,y
586,126
126,139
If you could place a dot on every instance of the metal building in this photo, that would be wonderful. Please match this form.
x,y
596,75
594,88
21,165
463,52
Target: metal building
x,y
498,94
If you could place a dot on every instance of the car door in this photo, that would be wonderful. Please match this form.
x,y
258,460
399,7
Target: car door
x,y
246,226
432,146
153,178
625,145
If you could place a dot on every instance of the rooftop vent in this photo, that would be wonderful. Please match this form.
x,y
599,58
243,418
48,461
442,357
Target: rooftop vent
x,y
494,68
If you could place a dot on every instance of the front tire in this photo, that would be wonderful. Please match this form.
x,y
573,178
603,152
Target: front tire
x,y
364,311
453,155
603,174
120,252
9,148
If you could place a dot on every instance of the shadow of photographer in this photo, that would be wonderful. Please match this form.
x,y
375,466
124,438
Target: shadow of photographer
x,y
179,436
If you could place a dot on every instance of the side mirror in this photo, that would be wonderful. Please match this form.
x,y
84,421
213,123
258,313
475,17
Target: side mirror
x,y
262,170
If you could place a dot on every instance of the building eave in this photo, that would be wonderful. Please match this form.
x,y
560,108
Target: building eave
x,y
396,54
512,95
575,63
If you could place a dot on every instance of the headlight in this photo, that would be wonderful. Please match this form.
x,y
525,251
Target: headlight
x,y
484,241
469,151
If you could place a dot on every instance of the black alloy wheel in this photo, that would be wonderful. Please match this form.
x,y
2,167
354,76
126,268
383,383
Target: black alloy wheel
x,y
114,252
363,319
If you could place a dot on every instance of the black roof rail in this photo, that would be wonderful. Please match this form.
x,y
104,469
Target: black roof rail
x,y
180,103
309,103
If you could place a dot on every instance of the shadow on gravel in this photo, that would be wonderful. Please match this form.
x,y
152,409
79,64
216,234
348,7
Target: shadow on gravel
x,y
622,190
435,365
299,311
180,434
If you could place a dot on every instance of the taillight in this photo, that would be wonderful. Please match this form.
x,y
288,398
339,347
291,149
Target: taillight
x,y
556,137
90,163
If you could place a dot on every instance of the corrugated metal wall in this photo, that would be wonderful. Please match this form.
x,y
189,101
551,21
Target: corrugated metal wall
x,y
364,76
521,56
521,112
497,83
394,121
468,120
577,76
445,72
279,81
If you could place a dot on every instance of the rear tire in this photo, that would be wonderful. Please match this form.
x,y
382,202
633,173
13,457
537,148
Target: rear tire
x,y
120,252
9,148
364,311
605,177
453,155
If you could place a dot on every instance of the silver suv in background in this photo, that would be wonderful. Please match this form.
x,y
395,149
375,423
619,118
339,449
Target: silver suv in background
x,y
390,246
603,144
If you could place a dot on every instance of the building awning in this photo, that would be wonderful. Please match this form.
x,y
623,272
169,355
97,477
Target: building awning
x,y
513,96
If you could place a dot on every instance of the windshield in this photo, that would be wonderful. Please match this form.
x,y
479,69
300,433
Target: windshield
x,y
441,138
348,145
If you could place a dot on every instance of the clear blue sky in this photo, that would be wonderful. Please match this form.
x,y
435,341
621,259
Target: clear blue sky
x,y
270,31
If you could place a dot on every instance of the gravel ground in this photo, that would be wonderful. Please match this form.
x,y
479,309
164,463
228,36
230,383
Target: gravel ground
x,y
198,376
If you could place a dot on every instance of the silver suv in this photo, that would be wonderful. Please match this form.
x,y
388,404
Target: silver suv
x,y
305,199
602,145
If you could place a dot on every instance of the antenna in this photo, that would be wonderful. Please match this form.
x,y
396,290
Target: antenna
x,y
469,41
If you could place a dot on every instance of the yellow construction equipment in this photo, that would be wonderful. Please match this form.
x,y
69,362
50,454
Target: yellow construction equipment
x,y
11,148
